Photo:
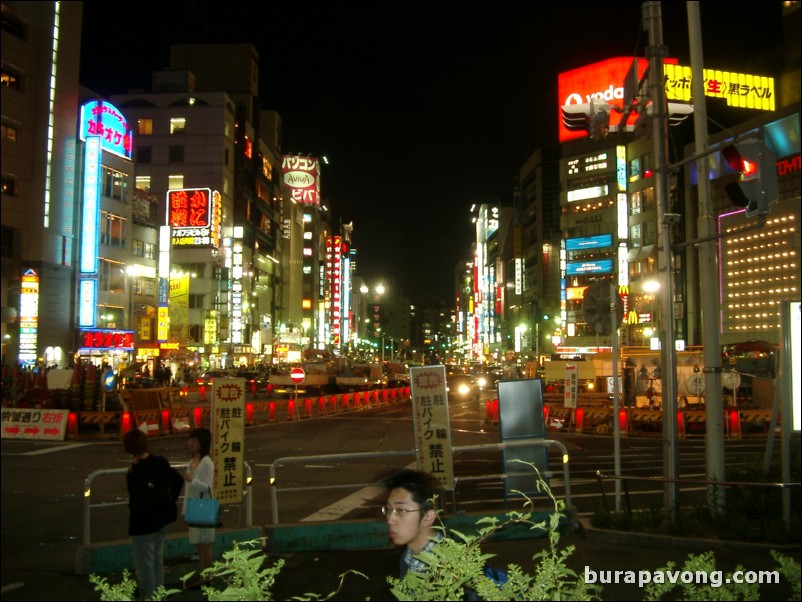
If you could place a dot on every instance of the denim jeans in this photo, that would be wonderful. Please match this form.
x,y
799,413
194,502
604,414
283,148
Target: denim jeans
x,y
149,561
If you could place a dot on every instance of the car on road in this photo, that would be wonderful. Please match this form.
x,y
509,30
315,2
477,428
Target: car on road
x,y
462,387
255,381
208,377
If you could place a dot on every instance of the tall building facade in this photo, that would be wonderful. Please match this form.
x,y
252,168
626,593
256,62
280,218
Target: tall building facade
x,y
40,96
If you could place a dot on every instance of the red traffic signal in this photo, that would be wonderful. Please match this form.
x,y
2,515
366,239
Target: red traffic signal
x,y
757,187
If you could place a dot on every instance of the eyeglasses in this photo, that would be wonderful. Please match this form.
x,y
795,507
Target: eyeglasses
x,y
397,512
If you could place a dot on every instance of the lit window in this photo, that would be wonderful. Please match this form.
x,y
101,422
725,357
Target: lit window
x,y
145,127
143,183
248,148
9,79
307,252
177,125
175,182
9,132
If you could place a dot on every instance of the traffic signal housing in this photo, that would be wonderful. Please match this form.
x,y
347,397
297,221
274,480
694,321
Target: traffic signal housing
x,y
596,307
757,186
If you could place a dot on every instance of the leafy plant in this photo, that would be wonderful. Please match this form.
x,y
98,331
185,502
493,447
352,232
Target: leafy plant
x,y
125,590
456,565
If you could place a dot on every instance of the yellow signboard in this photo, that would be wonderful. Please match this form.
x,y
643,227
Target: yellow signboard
x,y
432,428
228,430
739,89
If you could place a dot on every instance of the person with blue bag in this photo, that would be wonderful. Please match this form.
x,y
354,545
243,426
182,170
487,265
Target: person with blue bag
x,y
199,476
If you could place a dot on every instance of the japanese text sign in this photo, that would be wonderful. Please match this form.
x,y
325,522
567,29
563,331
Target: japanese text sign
x,y
228,433
571,385
432,428
104,120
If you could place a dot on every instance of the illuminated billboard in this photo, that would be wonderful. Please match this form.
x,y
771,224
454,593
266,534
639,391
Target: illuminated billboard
x,y
581,268
604,82
103,120
589,242
192,217
302,175
741,90
90,215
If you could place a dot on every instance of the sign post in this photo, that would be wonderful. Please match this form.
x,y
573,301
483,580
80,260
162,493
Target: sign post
x,y
297,375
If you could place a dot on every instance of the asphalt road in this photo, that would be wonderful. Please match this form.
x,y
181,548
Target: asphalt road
x,y
42,495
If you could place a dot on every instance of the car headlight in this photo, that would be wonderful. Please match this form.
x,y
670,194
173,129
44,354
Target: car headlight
x,y
463,389
482,381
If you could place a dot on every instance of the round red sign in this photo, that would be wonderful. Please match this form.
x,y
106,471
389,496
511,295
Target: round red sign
x,y
297,375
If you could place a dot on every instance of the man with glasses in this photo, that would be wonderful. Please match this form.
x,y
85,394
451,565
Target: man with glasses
x,y
410,515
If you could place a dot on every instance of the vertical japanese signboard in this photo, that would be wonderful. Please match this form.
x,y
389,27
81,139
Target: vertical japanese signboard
x,y
432,429
571,385
228,438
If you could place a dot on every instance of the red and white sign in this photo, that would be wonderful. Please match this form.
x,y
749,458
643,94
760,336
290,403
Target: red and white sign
x,y
297,375
33,423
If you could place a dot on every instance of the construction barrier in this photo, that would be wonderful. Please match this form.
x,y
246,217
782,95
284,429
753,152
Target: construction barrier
x,y
579,419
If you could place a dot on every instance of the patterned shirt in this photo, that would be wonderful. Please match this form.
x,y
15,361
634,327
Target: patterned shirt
x,y
410,563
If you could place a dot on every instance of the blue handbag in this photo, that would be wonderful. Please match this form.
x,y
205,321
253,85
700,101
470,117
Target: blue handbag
x,y
202,512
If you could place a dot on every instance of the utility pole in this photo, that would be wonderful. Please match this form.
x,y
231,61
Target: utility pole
x,y
655,52
709,269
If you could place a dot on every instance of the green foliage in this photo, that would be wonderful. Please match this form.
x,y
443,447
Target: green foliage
x,y
790,570
125,590
241,574
455,565
704,564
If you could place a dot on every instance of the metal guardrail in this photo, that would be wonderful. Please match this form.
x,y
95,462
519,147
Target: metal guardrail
x,y
600,477
88,505
283,462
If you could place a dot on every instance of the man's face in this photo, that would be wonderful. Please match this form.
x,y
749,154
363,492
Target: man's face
x,y
412,529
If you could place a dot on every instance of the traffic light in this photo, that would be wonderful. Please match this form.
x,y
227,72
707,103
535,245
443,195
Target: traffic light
x,y
757,187
596,307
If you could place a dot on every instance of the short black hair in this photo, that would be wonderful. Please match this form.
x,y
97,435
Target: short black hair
x,y
204,437
135,442
420,484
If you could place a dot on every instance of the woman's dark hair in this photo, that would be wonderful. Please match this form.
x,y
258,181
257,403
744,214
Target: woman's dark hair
x,y
135,442
204,437
420,484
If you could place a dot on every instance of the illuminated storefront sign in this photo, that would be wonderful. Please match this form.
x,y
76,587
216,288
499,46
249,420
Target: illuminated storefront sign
x,y
90,214
104,121
334,247
579,268
191,216
583,194
29,316
302,175
101,338
236,287
87,303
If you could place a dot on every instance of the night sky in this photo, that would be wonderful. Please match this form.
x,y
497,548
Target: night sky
x,y
422,109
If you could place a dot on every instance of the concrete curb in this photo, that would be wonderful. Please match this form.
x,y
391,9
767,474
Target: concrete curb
x,y
114,556
670,541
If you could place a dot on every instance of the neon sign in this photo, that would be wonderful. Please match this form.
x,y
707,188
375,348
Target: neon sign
x,y
29,316
102,338
105,121
191,215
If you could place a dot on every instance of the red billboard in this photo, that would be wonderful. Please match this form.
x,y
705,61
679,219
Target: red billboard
x,y
602,81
